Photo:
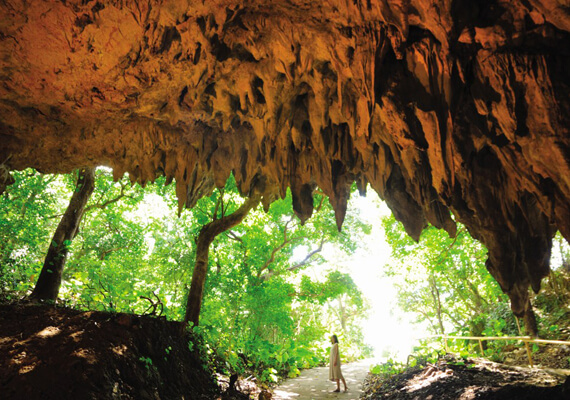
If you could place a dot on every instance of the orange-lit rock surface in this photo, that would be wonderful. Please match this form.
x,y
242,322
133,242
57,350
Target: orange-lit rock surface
x,y
441,106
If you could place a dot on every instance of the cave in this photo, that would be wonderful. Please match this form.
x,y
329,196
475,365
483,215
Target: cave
x,y
452,111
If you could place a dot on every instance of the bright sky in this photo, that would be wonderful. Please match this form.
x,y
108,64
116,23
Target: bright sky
x,y
382,330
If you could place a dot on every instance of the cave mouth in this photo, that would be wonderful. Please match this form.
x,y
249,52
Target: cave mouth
x,y
456,115
133,254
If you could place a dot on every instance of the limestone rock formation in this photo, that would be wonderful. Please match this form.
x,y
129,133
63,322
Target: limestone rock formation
x,y
441,106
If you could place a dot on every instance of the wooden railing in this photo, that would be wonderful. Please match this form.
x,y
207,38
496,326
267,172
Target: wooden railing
x,y
480,339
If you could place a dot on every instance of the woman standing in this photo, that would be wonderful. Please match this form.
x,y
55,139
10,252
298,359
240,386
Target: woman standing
x,y
335,373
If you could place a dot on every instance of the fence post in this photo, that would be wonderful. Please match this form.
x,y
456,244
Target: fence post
x,y
525,344
525,339
481,347
528,354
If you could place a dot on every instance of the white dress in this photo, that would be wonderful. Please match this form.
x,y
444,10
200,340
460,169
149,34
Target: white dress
x,y
334,372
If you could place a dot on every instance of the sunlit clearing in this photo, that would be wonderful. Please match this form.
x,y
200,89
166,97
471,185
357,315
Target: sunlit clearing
x,y
559,247
153,206
391,335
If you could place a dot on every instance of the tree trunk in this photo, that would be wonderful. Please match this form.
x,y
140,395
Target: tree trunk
x,y
342,314
49,282
437,302
207,235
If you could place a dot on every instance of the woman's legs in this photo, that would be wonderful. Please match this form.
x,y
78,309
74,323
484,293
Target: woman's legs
x,y
344,382
338,384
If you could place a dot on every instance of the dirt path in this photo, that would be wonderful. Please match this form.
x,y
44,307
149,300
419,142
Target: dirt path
x,y
313,384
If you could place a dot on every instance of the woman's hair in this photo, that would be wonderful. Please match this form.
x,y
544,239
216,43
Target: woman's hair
x,y
335,338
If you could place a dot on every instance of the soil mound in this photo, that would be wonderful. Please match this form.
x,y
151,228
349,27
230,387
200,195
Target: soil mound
x,y
50,352
454,378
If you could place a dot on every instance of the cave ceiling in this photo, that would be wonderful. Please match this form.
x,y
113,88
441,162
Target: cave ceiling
x,y
443,107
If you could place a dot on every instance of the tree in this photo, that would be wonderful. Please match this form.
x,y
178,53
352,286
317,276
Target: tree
x,y
26,218
132,255
257,298
443,280
207,235
341,295
108,256
49,281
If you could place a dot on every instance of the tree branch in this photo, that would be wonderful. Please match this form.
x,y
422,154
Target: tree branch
x,y
307,259
295,267
232,235
271,259
104,253
104,205
219,202
206,236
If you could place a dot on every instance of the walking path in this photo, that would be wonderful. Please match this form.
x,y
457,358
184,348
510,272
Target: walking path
x,y
313,384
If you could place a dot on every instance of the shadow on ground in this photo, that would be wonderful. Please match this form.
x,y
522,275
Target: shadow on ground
x,y
313,384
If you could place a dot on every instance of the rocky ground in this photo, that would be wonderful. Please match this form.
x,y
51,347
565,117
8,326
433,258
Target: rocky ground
x,y
454,378
547,356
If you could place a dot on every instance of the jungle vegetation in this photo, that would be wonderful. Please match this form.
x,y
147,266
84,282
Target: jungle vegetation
x,y
236,274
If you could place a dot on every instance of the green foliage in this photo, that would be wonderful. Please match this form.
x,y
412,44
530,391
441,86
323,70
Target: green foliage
x,y
269,375
443,281
259,311
146,361
132,253
272,296
29,213
553,312
387,369
421,356
335,285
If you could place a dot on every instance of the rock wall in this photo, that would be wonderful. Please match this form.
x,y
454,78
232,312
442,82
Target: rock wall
x,y
442,106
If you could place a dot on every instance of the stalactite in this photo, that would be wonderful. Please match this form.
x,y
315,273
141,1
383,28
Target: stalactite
x,y
444,109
